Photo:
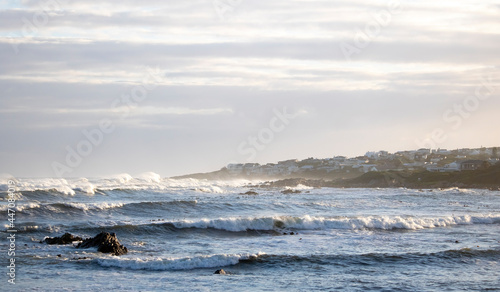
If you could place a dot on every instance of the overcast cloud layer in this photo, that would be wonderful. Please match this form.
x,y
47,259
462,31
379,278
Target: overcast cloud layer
x,y
178,87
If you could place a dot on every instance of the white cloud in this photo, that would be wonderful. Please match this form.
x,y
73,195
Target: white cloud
x,y
112,112
62,74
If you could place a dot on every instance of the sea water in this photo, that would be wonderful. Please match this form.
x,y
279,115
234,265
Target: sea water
x,y
179,232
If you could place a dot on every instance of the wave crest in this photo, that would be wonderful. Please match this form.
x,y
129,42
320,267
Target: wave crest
x,y
322,223
148,181
169,264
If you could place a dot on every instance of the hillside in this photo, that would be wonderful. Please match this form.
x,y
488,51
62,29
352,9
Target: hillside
x,y
488,178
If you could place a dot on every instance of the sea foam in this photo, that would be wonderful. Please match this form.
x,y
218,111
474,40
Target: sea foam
x,y
323,223
148,181
166,264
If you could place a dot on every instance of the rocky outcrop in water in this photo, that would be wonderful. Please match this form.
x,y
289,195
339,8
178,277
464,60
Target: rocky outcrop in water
x,y
65,239
290,191
250,193
105,243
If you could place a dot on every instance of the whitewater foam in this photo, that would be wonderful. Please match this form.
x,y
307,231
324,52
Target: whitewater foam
x,y
94,206
166,264
145,181
149,177
210,189
322,223
20,207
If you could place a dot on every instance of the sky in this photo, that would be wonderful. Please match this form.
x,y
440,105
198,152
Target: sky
x,y
96,88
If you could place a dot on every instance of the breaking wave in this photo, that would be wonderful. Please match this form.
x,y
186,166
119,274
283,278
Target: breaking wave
x,y
225,260
100,206
169,264
281,223
145,181
322,223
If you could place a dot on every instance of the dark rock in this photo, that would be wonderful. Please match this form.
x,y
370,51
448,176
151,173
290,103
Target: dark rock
x,y
290,191
250,193
221,272
105,243
65,239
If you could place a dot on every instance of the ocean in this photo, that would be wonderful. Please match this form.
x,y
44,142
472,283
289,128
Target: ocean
x,y
179,232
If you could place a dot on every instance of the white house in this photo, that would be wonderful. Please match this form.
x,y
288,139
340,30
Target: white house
x,y
454,166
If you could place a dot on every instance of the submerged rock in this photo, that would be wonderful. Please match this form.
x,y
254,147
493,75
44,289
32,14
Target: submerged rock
x,y
105,243
81,258
222,272
65,239
250,193
290,191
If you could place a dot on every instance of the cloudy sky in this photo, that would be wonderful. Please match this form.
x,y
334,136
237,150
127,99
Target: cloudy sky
x,y
91,88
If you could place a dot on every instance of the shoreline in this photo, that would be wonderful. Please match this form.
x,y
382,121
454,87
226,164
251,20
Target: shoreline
x,y
291,183
484,178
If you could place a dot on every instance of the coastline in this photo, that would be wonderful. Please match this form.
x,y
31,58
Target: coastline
x,y
290,183
486,178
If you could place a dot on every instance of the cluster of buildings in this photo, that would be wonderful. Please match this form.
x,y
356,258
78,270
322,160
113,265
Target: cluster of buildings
x,y
443,160
439,160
